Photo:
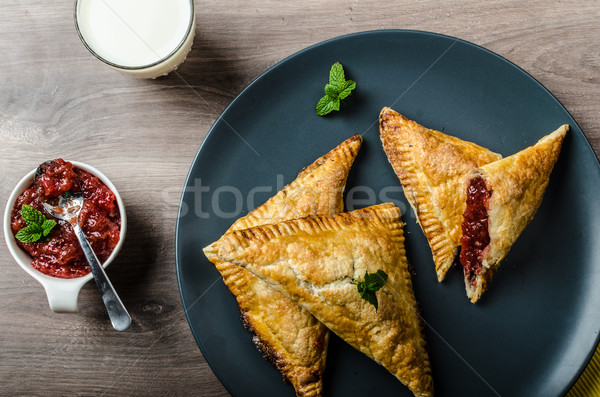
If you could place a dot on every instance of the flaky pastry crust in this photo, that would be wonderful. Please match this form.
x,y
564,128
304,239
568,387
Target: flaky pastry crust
x,y
517,183
286,334
430,166
314,262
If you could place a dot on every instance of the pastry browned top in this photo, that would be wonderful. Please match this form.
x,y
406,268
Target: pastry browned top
x,y
430,166
286,334
517,184
314,262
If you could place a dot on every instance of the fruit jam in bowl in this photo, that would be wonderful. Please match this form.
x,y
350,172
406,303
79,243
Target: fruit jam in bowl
x,y
47,248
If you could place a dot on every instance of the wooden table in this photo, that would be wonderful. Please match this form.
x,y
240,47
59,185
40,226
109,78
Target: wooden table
x,y
57,100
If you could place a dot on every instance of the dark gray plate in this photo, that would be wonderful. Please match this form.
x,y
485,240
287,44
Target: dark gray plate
x,y
534,330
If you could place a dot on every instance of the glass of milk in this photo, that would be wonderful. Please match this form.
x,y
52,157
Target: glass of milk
x,y
143,38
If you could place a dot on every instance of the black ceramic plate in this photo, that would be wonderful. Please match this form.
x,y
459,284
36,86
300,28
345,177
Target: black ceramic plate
x,y
533,331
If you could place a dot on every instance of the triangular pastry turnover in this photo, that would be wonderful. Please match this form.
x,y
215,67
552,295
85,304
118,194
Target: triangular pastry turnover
x,y
314,262
501,199
286,334
430,165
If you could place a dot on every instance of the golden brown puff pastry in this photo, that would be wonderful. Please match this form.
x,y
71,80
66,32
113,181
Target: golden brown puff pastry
x,y
287,335
430,165
314,262
502,198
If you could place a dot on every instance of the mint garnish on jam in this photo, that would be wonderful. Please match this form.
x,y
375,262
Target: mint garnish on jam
x,y
37,225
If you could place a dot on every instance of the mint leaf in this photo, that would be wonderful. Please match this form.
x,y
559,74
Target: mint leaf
x,y
336,75
332,91
370,297
29,234
376,280
47,226
37,225
371,283
336,104
337,89
347,88
32,216
326,105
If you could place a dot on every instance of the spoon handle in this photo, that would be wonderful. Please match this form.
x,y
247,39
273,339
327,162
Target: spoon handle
x,y
119,317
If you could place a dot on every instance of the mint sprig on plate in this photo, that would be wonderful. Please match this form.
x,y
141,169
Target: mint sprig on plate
x,y
372,283
338,88
38,225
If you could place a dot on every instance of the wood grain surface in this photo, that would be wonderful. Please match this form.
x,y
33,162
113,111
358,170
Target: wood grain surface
x,y
57,100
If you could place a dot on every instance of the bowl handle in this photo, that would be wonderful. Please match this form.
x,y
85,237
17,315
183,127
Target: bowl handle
x,y
63,298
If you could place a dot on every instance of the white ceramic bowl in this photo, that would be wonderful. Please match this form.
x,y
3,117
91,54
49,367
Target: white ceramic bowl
x,y
62,292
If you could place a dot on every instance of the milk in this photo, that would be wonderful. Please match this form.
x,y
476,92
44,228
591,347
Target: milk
x,y
146,38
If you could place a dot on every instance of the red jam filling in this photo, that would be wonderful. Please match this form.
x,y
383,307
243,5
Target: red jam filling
x,y
59,255
476,236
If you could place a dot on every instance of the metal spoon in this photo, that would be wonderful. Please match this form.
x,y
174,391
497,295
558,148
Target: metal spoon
x,y
68,209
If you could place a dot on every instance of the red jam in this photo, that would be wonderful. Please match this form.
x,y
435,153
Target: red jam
x,y
59,254
476,236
